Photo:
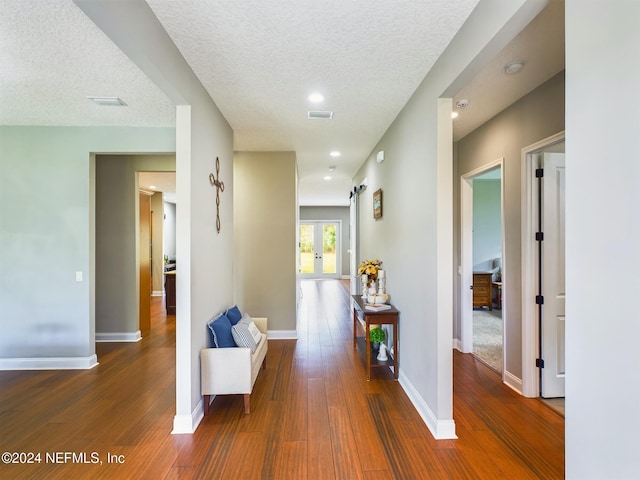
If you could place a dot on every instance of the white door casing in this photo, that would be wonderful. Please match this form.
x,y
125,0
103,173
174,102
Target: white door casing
x,y
530,157
353,244
466,264
553,276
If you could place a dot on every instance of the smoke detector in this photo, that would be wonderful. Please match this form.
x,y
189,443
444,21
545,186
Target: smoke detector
x,y
513,67
462,103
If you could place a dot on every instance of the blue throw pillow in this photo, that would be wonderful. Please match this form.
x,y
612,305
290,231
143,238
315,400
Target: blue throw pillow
x,y
220,329
212,337
234,315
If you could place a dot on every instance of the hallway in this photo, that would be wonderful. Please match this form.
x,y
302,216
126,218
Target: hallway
x,y
313,415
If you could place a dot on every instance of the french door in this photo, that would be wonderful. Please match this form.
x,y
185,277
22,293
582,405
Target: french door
x,y
319,249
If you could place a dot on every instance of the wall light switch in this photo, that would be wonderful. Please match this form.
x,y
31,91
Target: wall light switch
x,y
78,276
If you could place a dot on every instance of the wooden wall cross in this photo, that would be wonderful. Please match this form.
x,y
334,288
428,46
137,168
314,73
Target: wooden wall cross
x,y
215,182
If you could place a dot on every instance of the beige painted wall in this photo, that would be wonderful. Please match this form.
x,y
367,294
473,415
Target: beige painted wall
x,y
536,116
265,211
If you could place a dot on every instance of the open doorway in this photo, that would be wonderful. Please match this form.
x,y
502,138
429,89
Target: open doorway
x,y
482,266
161,268
117,244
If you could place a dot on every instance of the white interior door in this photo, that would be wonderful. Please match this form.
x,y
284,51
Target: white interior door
x,y
319,249
553,276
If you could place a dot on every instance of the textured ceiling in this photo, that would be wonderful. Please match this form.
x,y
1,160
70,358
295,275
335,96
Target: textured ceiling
x,y
259,61
52,57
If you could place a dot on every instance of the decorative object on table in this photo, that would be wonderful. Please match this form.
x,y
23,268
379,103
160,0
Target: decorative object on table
x,y
377,298
382,281
368,272
376,337
377,204
370,268
377,307
365,286
216,182
382,353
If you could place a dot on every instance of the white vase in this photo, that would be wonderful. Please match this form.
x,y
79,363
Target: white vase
x,y
365,281
382,353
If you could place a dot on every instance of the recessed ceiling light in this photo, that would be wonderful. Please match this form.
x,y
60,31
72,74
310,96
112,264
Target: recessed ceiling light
x,y
513,67
108,101
454,114
316,98
335,153
327,177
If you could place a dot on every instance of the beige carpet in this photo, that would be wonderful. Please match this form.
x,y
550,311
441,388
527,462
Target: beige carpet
x,y
487,337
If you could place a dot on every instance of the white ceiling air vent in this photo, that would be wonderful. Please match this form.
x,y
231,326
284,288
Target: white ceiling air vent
x,y
108,101
320,114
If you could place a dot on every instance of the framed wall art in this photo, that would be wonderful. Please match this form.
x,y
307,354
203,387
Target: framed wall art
x,y
377,203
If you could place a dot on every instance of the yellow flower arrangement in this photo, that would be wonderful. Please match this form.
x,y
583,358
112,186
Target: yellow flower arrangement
x,y
370,268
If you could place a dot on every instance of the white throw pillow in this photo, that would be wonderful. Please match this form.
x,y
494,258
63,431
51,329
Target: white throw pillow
x,y
253,329
246,334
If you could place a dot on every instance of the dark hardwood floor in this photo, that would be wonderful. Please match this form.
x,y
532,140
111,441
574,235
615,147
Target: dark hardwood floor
x,y
313,416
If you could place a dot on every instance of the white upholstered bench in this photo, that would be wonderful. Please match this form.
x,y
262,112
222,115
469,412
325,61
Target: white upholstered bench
x,y
233,370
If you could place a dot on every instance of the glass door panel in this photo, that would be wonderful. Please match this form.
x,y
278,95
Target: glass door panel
x,y
319,249
307,249
329,262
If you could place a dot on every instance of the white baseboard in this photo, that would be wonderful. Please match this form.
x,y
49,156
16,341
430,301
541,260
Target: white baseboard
x,y
186,424
51,363
282,335
510,380
119,336
440,429
157,293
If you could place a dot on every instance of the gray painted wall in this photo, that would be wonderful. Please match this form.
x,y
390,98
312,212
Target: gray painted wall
x,y
536,116
487,228
414,237
602,239
46,233
333,213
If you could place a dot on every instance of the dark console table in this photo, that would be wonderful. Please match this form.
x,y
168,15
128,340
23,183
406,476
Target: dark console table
x,y
365,318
